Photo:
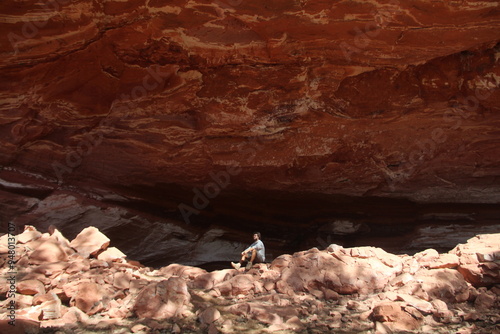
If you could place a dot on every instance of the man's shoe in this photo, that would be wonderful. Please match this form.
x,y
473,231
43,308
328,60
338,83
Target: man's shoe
x,y
236,265
249,265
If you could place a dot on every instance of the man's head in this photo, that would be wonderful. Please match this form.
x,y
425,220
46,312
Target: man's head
x,y
256,236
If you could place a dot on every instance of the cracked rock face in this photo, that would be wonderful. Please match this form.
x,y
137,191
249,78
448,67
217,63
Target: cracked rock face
x,y
224,106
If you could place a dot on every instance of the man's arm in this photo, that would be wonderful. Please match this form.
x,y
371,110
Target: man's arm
x,y
252,246
258,245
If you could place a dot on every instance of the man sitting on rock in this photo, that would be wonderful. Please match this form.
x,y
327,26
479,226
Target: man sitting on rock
x,y
255,253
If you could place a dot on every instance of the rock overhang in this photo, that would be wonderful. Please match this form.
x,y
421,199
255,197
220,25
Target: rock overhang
x,y
139,104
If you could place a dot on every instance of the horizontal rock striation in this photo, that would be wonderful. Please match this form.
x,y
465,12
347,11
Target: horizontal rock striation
x,y
387,99
157,237
288,115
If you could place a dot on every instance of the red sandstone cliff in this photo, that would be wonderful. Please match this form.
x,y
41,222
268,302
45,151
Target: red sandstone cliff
x,y
140,101
389,98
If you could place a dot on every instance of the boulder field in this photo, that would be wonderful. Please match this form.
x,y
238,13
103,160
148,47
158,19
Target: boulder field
x,y
85,286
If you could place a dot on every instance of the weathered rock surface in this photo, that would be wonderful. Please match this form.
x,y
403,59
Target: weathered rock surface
x,y
151,94
176,129
251,112
90,242
163,300
30,287
361,289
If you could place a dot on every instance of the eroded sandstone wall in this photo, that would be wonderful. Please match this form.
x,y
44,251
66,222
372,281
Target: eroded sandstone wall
x,y
141,101
337,97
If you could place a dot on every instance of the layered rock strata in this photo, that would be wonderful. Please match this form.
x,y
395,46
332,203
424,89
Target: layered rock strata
x,y
157,237
381,98
285,116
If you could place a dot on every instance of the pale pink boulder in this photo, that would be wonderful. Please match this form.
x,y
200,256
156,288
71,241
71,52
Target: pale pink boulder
x,y
23,301
345,271
41,298
445,261
74,315
29,234
179,270
479,259
51,309
30,313
426,257
209,280
445,284
89,242
239,284
47,252
111,254
209,315
78,266
121,280
57,236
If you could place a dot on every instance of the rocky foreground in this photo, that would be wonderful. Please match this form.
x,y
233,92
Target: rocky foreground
x,y
84,286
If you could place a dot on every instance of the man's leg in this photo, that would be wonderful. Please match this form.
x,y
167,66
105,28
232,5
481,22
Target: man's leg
x,y
254,254
244,259
252,259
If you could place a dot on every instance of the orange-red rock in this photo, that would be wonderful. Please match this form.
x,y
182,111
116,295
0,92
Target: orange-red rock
x,y
162,300
30,287
304,101
209,315
341,71
88,297
23,326
393,315
485,300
